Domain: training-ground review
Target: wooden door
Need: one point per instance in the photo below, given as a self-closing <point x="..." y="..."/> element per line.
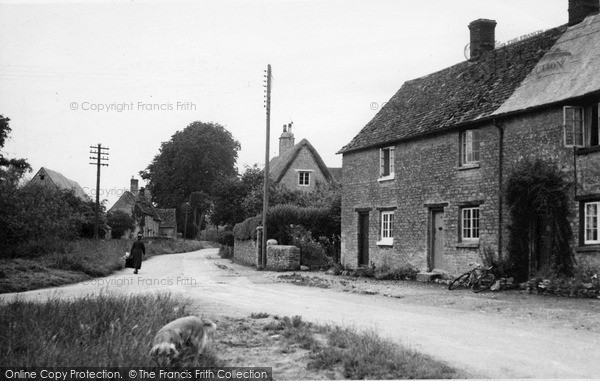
<point x="437" y="239"/>
<point x="363" y="239"/>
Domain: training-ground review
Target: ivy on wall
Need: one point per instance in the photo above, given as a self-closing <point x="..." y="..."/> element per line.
<point x="537" y="193"/>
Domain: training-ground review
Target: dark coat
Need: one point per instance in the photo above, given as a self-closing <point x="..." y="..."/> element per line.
<point x="137" y="251"/>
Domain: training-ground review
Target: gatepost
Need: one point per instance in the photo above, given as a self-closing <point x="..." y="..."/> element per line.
<point x="259" y="234"/>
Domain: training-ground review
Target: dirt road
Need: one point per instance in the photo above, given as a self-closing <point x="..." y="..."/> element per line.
<point x="483" y="343"/>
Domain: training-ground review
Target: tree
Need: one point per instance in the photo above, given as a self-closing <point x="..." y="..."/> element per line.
<point x="228" y="202"/>
<point x="11" y="170"/>
<point x="200" y="205"/>
<point x="120" y="222"/>
<point x="195" y="159"/>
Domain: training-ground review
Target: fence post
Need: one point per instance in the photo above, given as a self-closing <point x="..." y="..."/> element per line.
<point x="259" y="234"/>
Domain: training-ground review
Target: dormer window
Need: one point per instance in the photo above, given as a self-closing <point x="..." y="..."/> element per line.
<point x="581" y="126"/>
<point x="386" y="163"/>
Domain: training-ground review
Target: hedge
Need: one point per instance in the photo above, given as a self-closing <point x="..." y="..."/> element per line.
<point x="280" y="218"/>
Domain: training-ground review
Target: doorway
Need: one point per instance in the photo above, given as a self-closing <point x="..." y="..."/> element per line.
<point x="437" y="237"/>
<point x="363" y="239"/>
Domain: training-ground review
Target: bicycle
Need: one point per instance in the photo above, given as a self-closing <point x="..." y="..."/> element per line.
<point x="478" y="279"/>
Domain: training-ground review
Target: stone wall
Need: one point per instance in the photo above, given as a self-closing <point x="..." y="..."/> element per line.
<point x="283" y="258"/>
<point x="428" y="177"/>
<point x="279" y="257"/>
<point x="244" y="252"/>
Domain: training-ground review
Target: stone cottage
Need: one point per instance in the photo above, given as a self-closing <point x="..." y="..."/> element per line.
<point x="423" y="180"/>
<point x="299" y="166"/>
<point x="137" y="203"/>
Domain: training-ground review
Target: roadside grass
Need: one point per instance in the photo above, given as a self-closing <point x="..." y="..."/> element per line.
<point x="366" y="355"/>
<point x="103" y="331"/>
<point x="303" y="350"/>
<point x="117" y="331"/>
<point x="80" y="260"/>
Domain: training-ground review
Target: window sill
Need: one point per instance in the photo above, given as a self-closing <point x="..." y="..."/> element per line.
<point x="386" y="242"/>
<point x="468" y="245"/>
<point x="466" y="167"/>
<point x="384" y="179"/>
<point x="586" y="150"/>
<point x="588" y="248"/>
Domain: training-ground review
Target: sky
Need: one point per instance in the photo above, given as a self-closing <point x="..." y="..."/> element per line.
<point x="129" y="74"/>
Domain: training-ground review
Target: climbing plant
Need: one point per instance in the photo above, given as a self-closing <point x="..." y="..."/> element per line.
<point x="535" y="191"/>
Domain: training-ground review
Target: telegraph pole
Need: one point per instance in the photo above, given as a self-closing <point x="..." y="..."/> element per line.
<point x="263" y="259"/>
<point x="101" y="155"/>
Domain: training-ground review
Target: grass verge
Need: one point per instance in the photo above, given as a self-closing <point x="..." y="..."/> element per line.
<point x="303" y="350"/>
<point x="80" y="260"/>
<point x="117" y="331"/>
<point x="103" y="331"/>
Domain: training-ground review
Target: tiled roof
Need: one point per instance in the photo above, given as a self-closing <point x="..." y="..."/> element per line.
<point x="458" y="95"/>
<point x="279" y="165"/>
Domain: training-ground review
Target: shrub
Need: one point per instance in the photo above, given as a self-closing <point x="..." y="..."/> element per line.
<point x="536" y="194"/>
<point x="120" y="222"/>
<point x="312" y="254"/>
<point x="226" y="238"/>
<point x="404" y="272"/>
<point x="226" y="252"/>
<point x="246" y="230"/>
<point x="209" y="234"/>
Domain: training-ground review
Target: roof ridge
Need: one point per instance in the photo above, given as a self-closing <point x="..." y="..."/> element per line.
<point x="464" y="93"/>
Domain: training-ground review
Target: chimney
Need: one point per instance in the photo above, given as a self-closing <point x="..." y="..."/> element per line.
<point x="286" y="140"/>
<point x="580" y="9"/>
<point x="483" y="37"/>
<point x="134" y="187"/>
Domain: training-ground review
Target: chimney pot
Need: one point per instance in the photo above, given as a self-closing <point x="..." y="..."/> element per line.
<point x="580" y="9"/>
<point x="286" y="140"/>
<point x="134" y="187"/>
<point x="483" y="37"/>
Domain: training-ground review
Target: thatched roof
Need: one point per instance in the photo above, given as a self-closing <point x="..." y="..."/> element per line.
<point x="278" y="166"/>
<point x="46" y="175"/>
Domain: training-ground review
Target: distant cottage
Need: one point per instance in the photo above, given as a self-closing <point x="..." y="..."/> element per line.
<point x="150" y="221"/>
<point x="52" y="178"/>
<point x="423" y="181"/>
<point x="299" y="166"/>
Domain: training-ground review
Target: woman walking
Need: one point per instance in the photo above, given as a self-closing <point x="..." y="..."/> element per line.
<point x="137" y="251"/>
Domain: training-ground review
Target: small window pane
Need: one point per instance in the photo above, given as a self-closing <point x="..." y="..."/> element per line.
<point x="387" y="224"/>
<point x="592" y="223"/>
<point x="386" y="162"/>
<point x="470" y="223"/>
<point x="303" y="178"/>
<point x="574" y="126"/>
<point x="470" y="144"/>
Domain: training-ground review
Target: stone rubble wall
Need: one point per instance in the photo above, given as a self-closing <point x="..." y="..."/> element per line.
<point x="279" y="257"/>
<point x="283" y="258"/>
<point x="244" y="252"/>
